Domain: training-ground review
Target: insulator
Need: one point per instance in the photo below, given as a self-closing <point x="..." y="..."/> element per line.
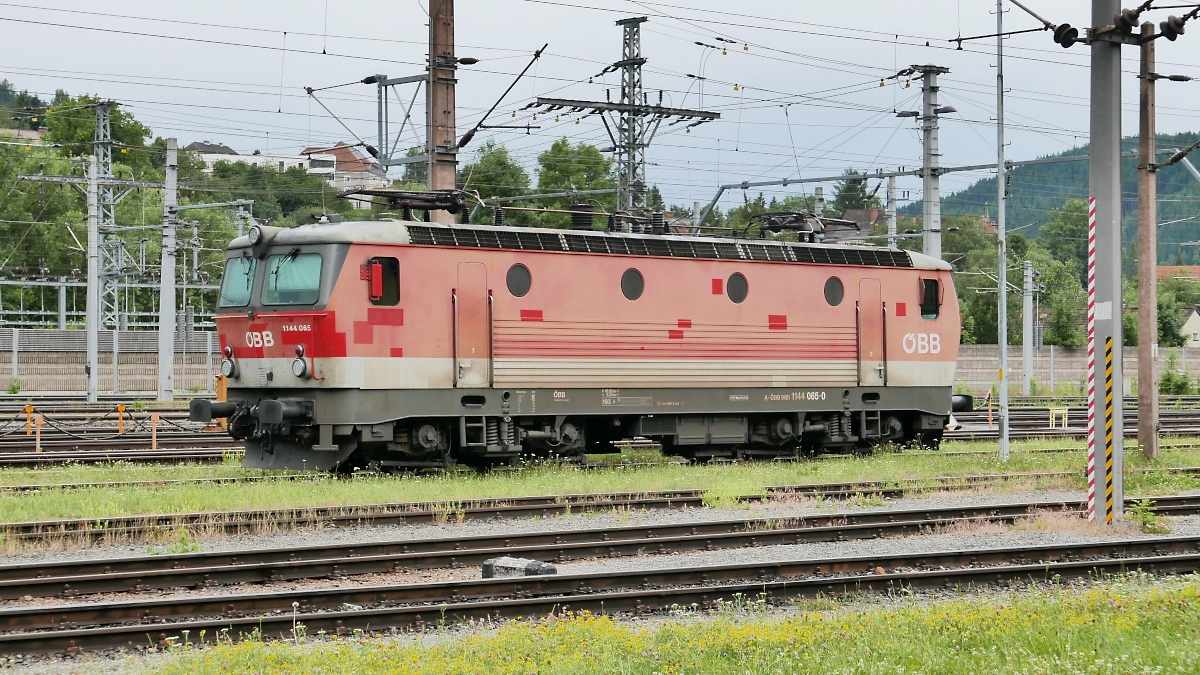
<point x="581" y="221"/>
<point x="1171" y="29"/>
<point x="497" y="216"/>
<point x="658" y="223"/>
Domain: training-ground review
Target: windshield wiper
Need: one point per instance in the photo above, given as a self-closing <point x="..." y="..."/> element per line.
<point x="291" y="255"/>
<point x="248" y="271"/>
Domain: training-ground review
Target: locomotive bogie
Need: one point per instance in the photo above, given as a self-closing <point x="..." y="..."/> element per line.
<point x="394" y="345"/>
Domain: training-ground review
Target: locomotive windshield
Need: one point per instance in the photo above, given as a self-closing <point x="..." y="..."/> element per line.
<point x="237" y="282"/>
<point x="293" y="278"/>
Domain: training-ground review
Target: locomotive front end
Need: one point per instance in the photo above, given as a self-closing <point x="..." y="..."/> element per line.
<point x="275" y="334"/>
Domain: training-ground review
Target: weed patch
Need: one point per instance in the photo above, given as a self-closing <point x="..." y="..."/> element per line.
<point x="1126" y="624"/>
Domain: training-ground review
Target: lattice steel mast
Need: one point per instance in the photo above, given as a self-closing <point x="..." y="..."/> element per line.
<point x="637" y="121"/>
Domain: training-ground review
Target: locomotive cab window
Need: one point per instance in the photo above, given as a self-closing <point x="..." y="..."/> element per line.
<point x="292" y="278"/>
<point x="383" y="280"/>
<point x="931" y="298"/>
<point x="236" y="284"/>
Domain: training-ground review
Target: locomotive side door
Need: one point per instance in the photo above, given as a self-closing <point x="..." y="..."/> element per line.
<point x="871" y="369"/>
<point x="472" y="327"/>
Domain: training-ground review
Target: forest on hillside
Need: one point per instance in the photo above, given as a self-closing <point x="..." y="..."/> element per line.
<point x="1035" y="191"/>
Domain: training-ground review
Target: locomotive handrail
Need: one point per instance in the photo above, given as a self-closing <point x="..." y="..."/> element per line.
<point x="491" y="340"/>
<point x="454" y="341"/>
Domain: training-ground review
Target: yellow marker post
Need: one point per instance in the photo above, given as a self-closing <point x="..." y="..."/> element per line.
<point x="1108" y="431"/>
<point x="28" y="420"/>
<point x="222" y="390"/>
<point x="120" y="418"/>
<point x="153" y="431"/>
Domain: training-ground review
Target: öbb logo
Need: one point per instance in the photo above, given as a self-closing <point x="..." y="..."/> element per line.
<point x="923" y="343"/>
<point x="257" y="339"/>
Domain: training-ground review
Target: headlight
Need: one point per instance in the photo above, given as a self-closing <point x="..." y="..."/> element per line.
<point x="256" y="235"/>
<point x="228" y="368"/>
<point x="300" y="367"/>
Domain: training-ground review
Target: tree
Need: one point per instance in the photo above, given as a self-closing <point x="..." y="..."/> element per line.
<point x="1065" y="235"/>
<point x="493" y="173"/>
<point x="13" y="102"/>
<point x="276" y="194"/>
<point x="1063" y="299"/>
<point x="71" y="122"/>
<point x="416" y="172"/>
<point x="574" y="167"/>
<point x="566" y="168"/>
<point x="654" y="200"/>
<point x="851" y="193"/>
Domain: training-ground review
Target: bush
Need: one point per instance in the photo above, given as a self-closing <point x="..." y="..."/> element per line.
<point x="1175" y="382"/>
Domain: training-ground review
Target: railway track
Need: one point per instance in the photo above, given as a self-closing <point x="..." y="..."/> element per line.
<point x="1035" y="423"/>
<point x="400" y="513"/>
<point x="199" y="570"/>
<point x="105" y="454"/>
<point x="71" y="435"/>
<point x="142" y="622"/>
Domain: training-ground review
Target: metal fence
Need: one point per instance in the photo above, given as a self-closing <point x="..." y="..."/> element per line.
<point x="54" y="361"/>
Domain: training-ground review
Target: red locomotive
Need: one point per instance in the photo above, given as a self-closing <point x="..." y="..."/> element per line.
<point x="403" y="344"/>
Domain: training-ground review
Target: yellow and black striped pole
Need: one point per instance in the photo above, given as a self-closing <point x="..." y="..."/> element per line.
<point x="1108" y="430"/>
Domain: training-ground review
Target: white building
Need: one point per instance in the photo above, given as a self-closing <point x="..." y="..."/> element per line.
<point x="316" y="163"/>
<point x="1191" y="329"/>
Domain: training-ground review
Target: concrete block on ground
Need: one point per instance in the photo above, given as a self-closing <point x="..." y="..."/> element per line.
<point x="515" y="567"/>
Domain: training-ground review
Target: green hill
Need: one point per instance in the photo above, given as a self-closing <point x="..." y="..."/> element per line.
<point x="1038" y="189"/>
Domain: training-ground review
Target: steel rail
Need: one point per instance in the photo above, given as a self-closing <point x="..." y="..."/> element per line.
<point x="181" y="454"/>
<point x="90" y="529"/>
<point x="75" y="578"/>
<point x="130" y="624"/>
<point x="422" y="512"/>
<point x="823" y="488"/>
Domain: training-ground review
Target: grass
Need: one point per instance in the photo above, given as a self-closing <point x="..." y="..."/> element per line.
<point x="723" y="482"/>
<point x="1123" y="625"/>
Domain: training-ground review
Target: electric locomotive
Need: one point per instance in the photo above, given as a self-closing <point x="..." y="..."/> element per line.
<point x="394" y="344"/>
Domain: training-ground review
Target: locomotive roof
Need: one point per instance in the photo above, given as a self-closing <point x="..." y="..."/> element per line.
<point x="621" y="243"/>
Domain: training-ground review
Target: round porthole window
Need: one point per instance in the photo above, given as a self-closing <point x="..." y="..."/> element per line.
<point x="737" y="287"/>
<point x="834" y="292"/>
<point x="632" y="284"/>
<point x="519" y="280"/>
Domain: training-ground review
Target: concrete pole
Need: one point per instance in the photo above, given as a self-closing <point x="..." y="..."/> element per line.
<point x="1104" y="171"/>
<point x="931" y="182"/>
<point x="1147" y="258"/>
<point x="166" y="291"/>
<point x="195" y="243"/>
<point x="1001" y="237"/>
<point x="1027" y="329"/>
<point x="62" y="303"/>
<point x="92" y="320"/>
<point x="441" y="135"/>
<point x="16" y="356"/>
<point x="891" y="212"/>
<point x="819" y="201"/>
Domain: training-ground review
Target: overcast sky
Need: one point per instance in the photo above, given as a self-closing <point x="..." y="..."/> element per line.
<point x="234" y="72"/>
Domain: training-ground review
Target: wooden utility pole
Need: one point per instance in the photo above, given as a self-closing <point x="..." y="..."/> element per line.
<point x="441" y="135"/>
<point x="1147" y="257"/>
